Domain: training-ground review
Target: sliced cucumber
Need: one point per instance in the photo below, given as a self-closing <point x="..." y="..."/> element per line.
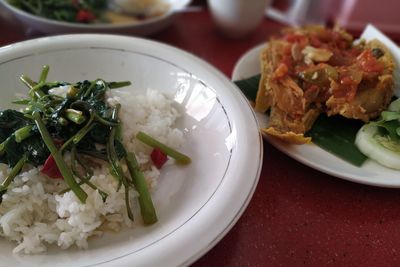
<point x="395" y="105"/>
<point x="378" y="147"/>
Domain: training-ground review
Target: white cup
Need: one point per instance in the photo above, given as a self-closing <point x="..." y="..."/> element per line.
<point x="236" y="18"/>
<point x="301" y="12"/>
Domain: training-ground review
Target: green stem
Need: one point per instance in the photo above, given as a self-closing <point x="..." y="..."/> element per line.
<point x="14" y="172"/>
<point x="128" y="204"/>
<point x="113" y="158"/>
<point x="114" y="85"/>
<point x="103" y="194"/>
<point x="23" y="133"/>
<point x="36" y="91"/>
<point x="47" y="98"/>
<point x="89" y="172"/>
<point x="78" y="137"/>
<point x="75" y="116"/>
<point x="118" y="132"/>
<point x="117" y="171"/>
<point x="118" y="128"/>
<point x="105" y="122"/>
<point x="62" y="166"/>
<point x="4" y="143"/>
<point x="21" y="101"/>
<point x="148" y="140"/>
<point x="63" y="121"/>
<point x="95" y="154"/>
<point x="146" y="204"/>
<point x="92" y="85"/>
<point x="27" y="81"/>
<point x="112" y="154"/>
<point x="43" y="75"/>
<point x="115" y="164"/>
<point x="80" y="134"/>
<point x="84" y="179"/>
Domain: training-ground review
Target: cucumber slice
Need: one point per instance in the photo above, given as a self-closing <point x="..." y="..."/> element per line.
<point x="378" y="147"/>
<point x="395" y="105"/>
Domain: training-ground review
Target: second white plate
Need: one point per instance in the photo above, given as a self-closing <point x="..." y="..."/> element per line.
<point x="369" y="173"/>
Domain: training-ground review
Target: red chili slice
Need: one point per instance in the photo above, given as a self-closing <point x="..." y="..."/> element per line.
<point x="84" y="16"/>
<point x="369" y="63"/>
<point x="158" y="157"/>
<point x="50" y="168"/>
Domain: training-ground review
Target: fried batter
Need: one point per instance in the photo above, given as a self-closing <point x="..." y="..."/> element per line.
<point x="312" y="70"/>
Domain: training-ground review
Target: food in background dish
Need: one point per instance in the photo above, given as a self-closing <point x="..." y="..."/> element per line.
<point x="94" y="11"/>
<point x="312" y="70"/>
<point x="81" y="158"/>
<point x="124" y="11"/>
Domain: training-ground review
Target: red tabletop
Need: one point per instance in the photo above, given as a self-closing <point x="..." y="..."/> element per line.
<point x="297" y="216"/>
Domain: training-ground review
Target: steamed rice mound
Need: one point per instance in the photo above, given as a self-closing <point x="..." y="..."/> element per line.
<point x="34" y="215"/>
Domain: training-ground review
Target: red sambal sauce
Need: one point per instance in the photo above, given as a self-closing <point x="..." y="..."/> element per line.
<point x="369" y="63"/>
<point x="348" y="59"/>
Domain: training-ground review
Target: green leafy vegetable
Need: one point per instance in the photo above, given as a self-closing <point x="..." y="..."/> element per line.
<point x="337" y="135"/>
<point x="60" y="117"/>
<point x="249" y="86"/>
<point x="31" y="135"/>
<point x="82" y="11"/>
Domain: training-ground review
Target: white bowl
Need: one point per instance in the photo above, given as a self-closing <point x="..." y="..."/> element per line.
<point x="196" y="204"/>
<point x="142" y="28"/>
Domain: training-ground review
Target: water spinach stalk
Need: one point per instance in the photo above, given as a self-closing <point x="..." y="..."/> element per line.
<point x="62" y="166"/>
<point x="10" y="177"/>
<point x="146" y="204"/>
<point x="115" y="164"/>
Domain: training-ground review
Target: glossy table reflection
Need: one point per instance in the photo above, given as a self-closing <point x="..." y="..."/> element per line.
<point x="298" y="216"/>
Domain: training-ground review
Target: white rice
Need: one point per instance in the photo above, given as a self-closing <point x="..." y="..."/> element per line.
<point x="34" y="215"/>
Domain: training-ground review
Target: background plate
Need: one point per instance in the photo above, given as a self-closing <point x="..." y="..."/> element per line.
<point x="139" y="28"/>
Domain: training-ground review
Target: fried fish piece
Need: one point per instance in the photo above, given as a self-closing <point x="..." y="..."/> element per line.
<point x="373" y="93"/>
<point x="312" y="70"/>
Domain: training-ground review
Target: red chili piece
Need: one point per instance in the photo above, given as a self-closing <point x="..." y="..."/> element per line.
<point x="158" y="157"/>
<point x="50" y="168"/>
<point x="84" y="16"/>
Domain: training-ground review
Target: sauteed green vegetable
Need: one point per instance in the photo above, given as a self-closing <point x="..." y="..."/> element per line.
<point x="81" y="11"/>
<point x="59" y="118"/>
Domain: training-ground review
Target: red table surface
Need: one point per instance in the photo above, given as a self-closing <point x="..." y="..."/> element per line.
<point x="297" y="216"/>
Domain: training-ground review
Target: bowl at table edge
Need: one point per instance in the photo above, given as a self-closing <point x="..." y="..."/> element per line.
<point x="141" y="28"/>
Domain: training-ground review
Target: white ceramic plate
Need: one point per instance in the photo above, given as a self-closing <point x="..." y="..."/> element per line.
<point x="142" y="28"/>
<point x="369" y="173"/>
<point x="197" y="204"/>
